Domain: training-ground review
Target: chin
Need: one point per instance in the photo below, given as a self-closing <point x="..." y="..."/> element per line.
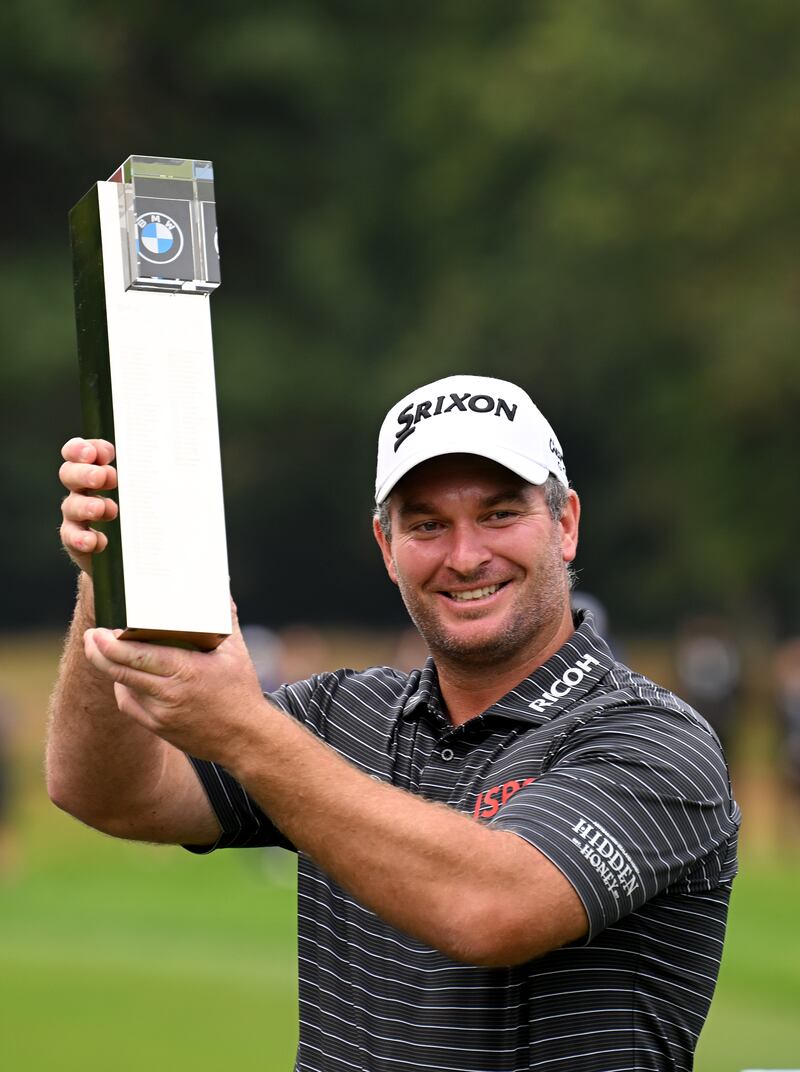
<point x="484" y="646"/>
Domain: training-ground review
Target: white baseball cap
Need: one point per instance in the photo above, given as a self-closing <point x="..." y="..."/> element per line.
<point x="467" y="415"/>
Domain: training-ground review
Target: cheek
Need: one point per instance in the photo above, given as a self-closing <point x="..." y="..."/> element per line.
<point x="415" y="564"/>
<point x="533" y="550"/>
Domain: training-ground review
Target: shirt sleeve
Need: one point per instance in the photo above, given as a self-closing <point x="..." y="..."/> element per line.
<point x="629" y="805"/>
<point x="242" y="822"/>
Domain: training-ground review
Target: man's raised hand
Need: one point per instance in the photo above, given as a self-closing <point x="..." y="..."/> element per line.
<point x="87" y="474"/>
<point x="208" y="704"/>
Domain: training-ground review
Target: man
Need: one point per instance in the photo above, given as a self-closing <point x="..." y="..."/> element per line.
<point x="519" y="857"/>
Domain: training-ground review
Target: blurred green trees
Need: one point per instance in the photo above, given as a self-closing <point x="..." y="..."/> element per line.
<point x="597" y="200"/>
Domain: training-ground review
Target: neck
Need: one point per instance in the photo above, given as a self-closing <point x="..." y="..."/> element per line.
<point x="468" y="689"/>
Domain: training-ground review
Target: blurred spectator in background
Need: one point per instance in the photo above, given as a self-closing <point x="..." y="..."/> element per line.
<point x="266" y="651"/>
<point x="787" y="687"/>
<point x="304" y="651"/>
<point x="7" y="844"/>
<point x="585" y="601"/>
<point x="708" y="666"/>
<point x="411" y="651"/>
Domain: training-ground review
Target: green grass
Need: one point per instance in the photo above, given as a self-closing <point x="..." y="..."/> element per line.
<point x="129" y="957"/>
<point x="755" y="1017"/>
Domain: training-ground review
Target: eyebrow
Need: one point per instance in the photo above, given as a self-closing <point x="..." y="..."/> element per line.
<point x="509" y="495"/>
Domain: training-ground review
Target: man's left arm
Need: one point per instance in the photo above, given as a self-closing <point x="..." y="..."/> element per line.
<point x="480" y="896"/>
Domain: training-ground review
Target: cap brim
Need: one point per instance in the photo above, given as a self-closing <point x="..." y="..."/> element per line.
<point x="529" y="470"/>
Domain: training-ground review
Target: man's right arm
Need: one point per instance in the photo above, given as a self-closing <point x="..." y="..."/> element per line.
<point x="102" y="767"/>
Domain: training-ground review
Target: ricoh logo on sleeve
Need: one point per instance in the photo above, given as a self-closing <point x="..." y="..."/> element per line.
<point x="607" y="857"/>
<point x="565" y="684"/>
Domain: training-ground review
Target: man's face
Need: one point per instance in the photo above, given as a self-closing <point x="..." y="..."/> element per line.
<point x="479" y="561"/>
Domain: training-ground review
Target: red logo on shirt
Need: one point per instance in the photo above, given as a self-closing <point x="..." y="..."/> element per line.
<point x="491" y="800"/>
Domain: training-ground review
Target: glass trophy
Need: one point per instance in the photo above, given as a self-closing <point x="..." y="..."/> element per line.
<point x="170" y="224"/>
<point x="145" y="261"/>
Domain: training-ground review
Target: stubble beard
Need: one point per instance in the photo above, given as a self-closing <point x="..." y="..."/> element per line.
<point x="539" y="607"/>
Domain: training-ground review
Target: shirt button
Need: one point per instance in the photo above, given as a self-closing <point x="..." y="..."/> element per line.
<point x="447" y="754"/>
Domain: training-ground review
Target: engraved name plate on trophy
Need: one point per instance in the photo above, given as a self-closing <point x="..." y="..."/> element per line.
<point x="145" y="260"/>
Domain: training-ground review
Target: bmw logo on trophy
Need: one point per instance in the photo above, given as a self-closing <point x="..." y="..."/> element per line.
<point x="145" y="260"/>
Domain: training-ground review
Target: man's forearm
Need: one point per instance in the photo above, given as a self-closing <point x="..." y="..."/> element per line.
<point x="98" y="762"/>
<point x="480" y="895"/>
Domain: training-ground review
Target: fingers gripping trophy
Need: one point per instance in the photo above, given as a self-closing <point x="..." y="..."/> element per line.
<point x="145" y="261"/>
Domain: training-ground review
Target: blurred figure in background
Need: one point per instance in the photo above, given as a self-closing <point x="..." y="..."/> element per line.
<point x="411" y="651"/>
<point x="8" y="855"/>
<point x="304" y="651"/>
<point x="708" y="666"/>
<point x="787" y="688"/>
<point x="266" y="651"/>
<point x="586" y="602"/>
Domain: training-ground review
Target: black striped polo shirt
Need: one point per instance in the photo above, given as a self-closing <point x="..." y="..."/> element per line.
<point x="616" y="780"/>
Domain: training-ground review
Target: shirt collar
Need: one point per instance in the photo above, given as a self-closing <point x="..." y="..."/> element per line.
<point x="567" y="676"/>
<point x="423" y="692"/>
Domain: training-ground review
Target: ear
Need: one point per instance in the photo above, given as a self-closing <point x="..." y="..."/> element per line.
<point x="386" y="549"/>
<point x="570" y="520"/>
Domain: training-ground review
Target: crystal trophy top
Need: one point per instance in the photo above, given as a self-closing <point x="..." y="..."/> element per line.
<point x="169" y="224"/>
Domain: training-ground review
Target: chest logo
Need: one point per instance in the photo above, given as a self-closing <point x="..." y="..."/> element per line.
<point x="490" y="801"/>
<point x="563" y="685"/>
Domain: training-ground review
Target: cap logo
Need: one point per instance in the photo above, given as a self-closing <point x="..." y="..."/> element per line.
<point x="558" y="455"/>
<point x="410" y="417"/>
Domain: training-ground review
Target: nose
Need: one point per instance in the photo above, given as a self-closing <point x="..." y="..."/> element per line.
<point x="467" y="551"/>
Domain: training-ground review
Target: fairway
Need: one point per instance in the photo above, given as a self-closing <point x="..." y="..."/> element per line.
<point x="119" y="956"/>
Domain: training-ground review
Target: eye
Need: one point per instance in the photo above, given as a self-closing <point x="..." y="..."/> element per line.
<point x="426" y="528"/>
<point x="502" y="515"/>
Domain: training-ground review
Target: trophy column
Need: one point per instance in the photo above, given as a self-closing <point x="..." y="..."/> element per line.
<point x="145" y="260"/>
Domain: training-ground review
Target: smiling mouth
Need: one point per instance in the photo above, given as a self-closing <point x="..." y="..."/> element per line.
<point x="475" y="593"/>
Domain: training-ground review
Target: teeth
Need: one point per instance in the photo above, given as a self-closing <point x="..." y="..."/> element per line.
<point x="476" y="593"/>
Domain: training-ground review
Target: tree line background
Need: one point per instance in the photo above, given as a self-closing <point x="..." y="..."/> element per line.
<point x="598" y="201"/>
